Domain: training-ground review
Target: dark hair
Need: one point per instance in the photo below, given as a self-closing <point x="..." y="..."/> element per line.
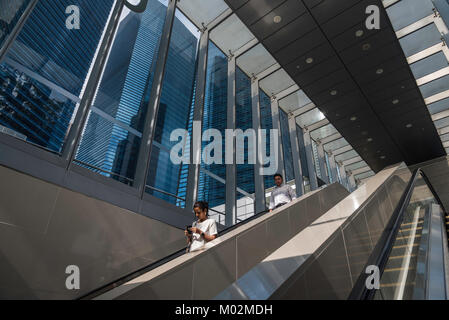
<point x="278" y="175"/>
<point x="203" y="205"/>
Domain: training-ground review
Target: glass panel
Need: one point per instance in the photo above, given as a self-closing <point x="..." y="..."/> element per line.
<point x="323" y="132"/>
<point x="406" y="12"/>
<point x="439" y="106"/>
<point x="435" y="87"/>
<point x="276" y="82"/>
<point x="266" y="123"/>
<point x="308" y="118"/>
<point x="328" y="168"/>
<point x="302" y="153"/>
<point x="255" y="60"/>
<point x="231" y="34"/>
<point x="286" y="147"/>
<point x="445" y="137"/>
<point x="46" y="69"/>
<point x="443" y="8"/>
<point x="175" y="109"/>
<point x="346" y="156"/>
<point x="213" y="190"/>
<point x="124" y="92"/>
<point x="200" y="11"/>
<point x="364" y="175"/>
<point x="442" y="123"/>
<point x="244" y="121"/>
<point x="294" y="101"/>
<point x="429" y="65"/>
<point x="420" y="40"/>
<point x="340" y="143"/>
<point x="356" y="165"/>
<point x="10" y="14"/>
<point x="316" y="159"/>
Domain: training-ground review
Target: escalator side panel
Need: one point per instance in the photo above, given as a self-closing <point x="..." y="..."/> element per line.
<point x="207" y="273"/>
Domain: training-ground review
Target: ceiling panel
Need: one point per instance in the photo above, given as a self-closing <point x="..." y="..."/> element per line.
<point x="358" y="78"/>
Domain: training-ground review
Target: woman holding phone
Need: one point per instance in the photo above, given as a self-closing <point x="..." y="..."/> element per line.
<point x="203" y="230"/>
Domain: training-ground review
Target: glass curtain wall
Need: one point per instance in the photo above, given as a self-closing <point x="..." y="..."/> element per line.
<point x="44" y="73"/>
<point x="111" y="139"/>
<point x="244" y="121"/>
<point x="174" y="110"/>
<point x="212" y="181"/>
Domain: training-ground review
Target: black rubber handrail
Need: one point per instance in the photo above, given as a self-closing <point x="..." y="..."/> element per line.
<point x="382" y="251"/>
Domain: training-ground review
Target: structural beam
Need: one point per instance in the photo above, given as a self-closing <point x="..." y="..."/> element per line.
<point x="231" y="168"/>
<point x="198" y="115"/>
<point x="277" y="126"/>
<point x="299" y="180"/>
<point x="310" y="160"/>
<point x="322" y="162"/>
<point x="259" y="185"/>
<point x="333" y="167"/>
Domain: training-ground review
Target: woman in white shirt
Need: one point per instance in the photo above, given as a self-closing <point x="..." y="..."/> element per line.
<point x="203" y="230"/>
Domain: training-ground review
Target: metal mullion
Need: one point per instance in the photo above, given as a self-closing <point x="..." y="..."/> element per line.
<point x="299" y="180"/>
<point x="198" y="115"/>
<point x="143" y="161"/>
<point x="231" y="168"/>
<point x="76" y="129"/>
<point x="310" y="160"/>
<point x="322" y="162"/>
<point x="17" y="28"/>
<point x="277" y="126"/>
<point x="259" y="184"/>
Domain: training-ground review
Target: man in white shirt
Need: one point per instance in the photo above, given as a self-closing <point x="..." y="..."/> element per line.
<point x="281" y="194"/>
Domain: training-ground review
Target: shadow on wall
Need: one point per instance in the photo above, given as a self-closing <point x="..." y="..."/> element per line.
<point x="45" y="228"/>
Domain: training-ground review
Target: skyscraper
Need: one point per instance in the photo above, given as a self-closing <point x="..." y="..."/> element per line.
<point x="42" y="76"/>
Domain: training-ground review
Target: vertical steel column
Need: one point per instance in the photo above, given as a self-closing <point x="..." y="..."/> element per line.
<point x="16" y="30"/>
<point x="198" y="114"/>
<point x="310" y="159"/>
<point x="299" y="180"/>
<point x="143" y="161"/>
<point x="333" y="167"/>
<point x="259" y="184"/>
<point x="352" y="183"/>
<point x="76" y="129"/>
<point x="343" y="176"/>
<point x="277" y="126"/>
<point x="231" y="168"/>
<point x="322" y="161"/>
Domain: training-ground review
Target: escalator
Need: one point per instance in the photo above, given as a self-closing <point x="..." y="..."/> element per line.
<point x="412" y="255"/>
<point x="233" y="253"/>
<point x="318" y="247"/>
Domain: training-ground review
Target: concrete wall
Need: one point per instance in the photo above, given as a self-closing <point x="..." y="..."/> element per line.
<point x="44" y="228"/>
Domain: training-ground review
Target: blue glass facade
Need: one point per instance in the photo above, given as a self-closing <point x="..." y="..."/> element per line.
<point x="44" y="72"/>
<point x="11" y="12"/>
<point x="112" y="136"/>
<point x="175" y="108"/>
<point x="244" y="121"/>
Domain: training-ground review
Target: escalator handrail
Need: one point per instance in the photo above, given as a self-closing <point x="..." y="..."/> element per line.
<point x="388" y="237"/>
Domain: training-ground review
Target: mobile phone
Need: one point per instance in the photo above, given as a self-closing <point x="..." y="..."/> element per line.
<point x="188" y="229"/>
